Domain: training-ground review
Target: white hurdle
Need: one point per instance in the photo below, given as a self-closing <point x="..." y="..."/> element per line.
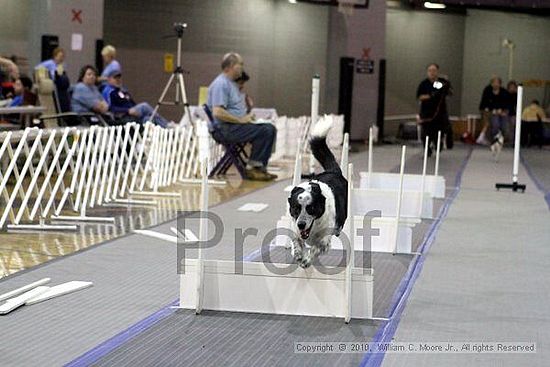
<point x="214" y="285"/>
<point x="395" y="229"/>
<point x="432" y="184"/>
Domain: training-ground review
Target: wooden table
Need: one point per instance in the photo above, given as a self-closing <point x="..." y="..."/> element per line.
<point x="26" y="112"/>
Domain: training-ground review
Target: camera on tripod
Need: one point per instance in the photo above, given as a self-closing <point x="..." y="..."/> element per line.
<point x="180" y="28"/>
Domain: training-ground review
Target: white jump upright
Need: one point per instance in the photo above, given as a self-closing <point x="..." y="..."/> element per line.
<point x="395" y="229"/>
<point x="315" y="93"/>
<point x="432" y="184"/>
<point x="515" y="185"/>
<point x="399" y="198"/>
<point x="214" y="285"/>
<point x="438" y="150"/>
<point x="345" y="155"/>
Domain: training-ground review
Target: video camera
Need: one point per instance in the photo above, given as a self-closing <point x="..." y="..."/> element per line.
<point x="180" y="28"/>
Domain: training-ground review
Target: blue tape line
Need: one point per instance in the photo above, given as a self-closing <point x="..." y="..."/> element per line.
<point x="536" y="180"/>
<point x="387" y="329"/>
<point x="116" y="341"/>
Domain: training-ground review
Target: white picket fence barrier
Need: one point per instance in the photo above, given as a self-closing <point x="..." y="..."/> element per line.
<point x="101" y="165"/>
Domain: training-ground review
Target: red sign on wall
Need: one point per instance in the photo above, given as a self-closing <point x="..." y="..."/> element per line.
<point x="77" y="15"/>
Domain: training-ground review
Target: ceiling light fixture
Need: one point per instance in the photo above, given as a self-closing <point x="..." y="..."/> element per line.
<point x="430" y="5"/>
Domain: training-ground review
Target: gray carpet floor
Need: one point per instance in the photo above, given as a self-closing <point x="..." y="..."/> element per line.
<point x="135" y="276"/>
<point x="538" y="163"/>
<point x="485" y="278"/>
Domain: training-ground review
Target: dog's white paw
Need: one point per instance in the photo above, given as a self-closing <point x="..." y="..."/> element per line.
<point x="297" y="249"/>
<point x="306" y="261"/>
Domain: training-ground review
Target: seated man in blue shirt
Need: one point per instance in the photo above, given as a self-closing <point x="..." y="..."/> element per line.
<point x="228" y="106"/>
<point x="121" y="103"/>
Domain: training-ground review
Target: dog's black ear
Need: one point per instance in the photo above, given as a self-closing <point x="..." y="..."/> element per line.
<point x="317" y="206"/>
<point x="296" y="190"/>
<point x="294" y="207"/>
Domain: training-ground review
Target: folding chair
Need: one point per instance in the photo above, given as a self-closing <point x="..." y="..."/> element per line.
<point x="234" y="152"/>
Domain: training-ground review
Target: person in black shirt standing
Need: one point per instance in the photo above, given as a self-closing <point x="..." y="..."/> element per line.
<point x="432" y="94"/>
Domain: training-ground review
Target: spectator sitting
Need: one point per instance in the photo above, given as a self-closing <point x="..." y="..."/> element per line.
<point x="8" y="73"/>
<point x="121" y="103"/>
<point x="55" y="64"/>
<point x="531" y="121"/>
<point x="8" y="70"/>
<point x="86" y="96"/>
<point x="56" y="70"/>
<point x="111" y="65"/>
<point x="23" y="95"/>
<point x="248" y="100"/>
<point x="232" y="121"/>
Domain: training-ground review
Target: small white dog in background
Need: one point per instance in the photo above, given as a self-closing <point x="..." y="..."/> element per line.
<point x="496" y="146"/>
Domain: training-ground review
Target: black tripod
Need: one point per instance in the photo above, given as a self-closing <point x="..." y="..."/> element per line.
<point x="177" y="78"/>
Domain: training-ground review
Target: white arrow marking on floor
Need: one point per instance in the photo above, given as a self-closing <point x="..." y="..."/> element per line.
<point x="187" y="237"/>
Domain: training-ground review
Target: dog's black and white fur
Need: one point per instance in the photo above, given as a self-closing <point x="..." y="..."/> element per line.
<point x="318" y="207"/>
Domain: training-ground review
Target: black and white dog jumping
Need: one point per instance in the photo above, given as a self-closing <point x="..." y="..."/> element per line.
<point x="318" y="207"/>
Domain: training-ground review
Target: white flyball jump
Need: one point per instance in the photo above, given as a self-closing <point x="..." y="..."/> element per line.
<point x="415" y="203"/>
<point x="432" y="184"/>
<point x="400" y="211"/>
<point x="394" y="229"/>
<point x="215" y="285"/>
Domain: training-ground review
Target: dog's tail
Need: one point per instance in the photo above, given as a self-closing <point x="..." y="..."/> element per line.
<point x="319" y="147"/>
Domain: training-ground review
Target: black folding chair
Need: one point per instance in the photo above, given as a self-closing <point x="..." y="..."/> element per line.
<point x="234" y="152"/>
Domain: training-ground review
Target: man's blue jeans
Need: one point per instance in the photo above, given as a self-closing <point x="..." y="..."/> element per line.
<point x="499" y="123"/>
<point x="262" y="137"/>
<point x="145" y="111"/>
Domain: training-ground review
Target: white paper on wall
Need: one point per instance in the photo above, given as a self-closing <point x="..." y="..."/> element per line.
<point x="76" y="42"/>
